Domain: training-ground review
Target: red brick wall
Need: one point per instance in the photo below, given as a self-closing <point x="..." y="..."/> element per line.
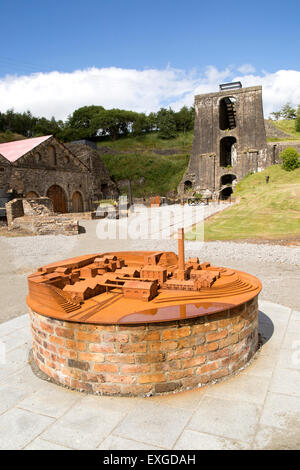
<point x="145" y="359"/>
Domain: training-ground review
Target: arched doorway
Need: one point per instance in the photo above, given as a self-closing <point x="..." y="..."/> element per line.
<point x="31" y="195"/>
<point x="77" y="202"/>
<point x="187" y="185"/>
<point x="226" y="193"/>
<point x="227" y="179"/>
<point x="227" y="151"/>
<point x="57" y="194"/>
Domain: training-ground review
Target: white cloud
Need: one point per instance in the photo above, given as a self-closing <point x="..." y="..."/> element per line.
<point x="246" y="68"/>
<point x="59" y="94"/>
<point x="278" y="88"/>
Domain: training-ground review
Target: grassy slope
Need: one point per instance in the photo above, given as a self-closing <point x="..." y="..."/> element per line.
<point x="265" y="211"/>
<point x="150" y="142"/>
<point x="287" y="126"/>
<point x="10" y="136"/>
<point x="158" y="174"/>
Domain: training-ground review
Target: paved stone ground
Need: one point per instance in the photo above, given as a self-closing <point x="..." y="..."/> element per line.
<point x="257" y="409"/>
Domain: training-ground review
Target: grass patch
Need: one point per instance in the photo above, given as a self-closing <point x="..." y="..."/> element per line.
<point x="265" y="211"/>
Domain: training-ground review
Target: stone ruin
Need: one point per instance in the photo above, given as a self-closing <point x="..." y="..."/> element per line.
<point x="36" y="216"/>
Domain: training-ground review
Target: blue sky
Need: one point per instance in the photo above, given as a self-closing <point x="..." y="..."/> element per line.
<point x="256" y="39"/>
<point x="66" y="35"/>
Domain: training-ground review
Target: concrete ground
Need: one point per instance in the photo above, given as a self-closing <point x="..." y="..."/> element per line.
<point x="257" y="409"/>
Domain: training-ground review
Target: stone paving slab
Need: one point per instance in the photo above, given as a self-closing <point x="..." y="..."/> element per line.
<point x="154" y="424"/>
<point x="257" y="409"/>
<point x="116" y="443"/>
<point x="41" y="444"/>
<point x="191" y="440"/>
<point x="84" y="426"/>
<point x="19" y="427"/>
<point x="50" y="401"/>
<point x="217" y="416"/>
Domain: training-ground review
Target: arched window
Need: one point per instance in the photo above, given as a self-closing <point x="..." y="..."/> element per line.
<point x="227" y="113"/>
<point x="52" y="155"/>
<point x="37" y="157"/>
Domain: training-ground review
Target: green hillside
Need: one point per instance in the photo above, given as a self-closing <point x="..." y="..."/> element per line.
<point x="154" y="165"/>
<point x="265" y="211"/>
<point x="288" y="126"/>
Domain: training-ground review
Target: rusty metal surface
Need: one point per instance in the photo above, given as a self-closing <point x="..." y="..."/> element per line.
<point x="136" y="287"/>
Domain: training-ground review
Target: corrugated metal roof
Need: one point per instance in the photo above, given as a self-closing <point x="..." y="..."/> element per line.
<point x="12" y="151"/>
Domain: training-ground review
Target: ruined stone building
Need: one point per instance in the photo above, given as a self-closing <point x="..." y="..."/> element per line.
<point x="229" y="140"/>
<point x="72" y="175"/>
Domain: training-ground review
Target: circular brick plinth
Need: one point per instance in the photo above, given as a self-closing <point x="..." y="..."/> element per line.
<point x="147" y="359"/>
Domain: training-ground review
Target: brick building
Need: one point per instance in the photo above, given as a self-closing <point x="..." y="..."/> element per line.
<point x="72" y="175"/>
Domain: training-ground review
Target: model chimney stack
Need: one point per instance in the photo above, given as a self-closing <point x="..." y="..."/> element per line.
<point x="181" y="264"/>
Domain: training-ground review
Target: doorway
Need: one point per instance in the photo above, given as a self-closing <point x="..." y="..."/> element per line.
<point x="57" y="194"/>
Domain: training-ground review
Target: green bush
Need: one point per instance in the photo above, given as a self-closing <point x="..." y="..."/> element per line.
<point x="290" y="159"/>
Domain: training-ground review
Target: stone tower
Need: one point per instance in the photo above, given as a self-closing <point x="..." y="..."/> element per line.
<point x="229" y="140"/>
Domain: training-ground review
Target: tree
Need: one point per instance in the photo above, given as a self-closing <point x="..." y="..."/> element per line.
<point x="45" y="127"/>
<point x="113" y="123"/>
<point x="166" y="123"/>
<point x="82" y="117"/>
<point x="290" y="159"/>
<point x="152" y="120"/>
<point x="276" y="115"/>
<point x="141" y="125"/>
<point x="287" y="112"/>
<point x="185" y="119"/>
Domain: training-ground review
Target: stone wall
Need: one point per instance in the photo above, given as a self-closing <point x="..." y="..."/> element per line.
<point x="37" y="206"/>
<point x="48" y="225"/>
<point x="275" y="148"/>
<point x="145" y="359"/>
<point x="14" y="209"/>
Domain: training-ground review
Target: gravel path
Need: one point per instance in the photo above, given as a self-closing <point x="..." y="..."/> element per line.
<point x="277" y="266"/>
